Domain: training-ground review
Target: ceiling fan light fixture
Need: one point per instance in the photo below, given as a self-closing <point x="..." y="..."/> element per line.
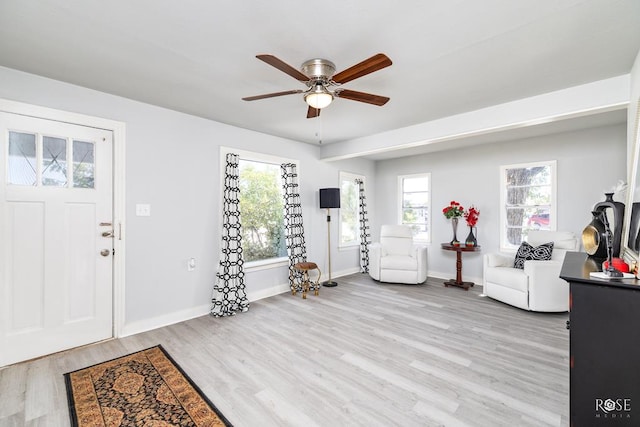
<point x="319" y="75"/>
<point x="318" y="98"/>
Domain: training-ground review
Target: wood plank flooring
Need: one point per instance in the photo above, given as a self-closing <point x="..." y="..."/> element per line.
<point x="360" y="354"/>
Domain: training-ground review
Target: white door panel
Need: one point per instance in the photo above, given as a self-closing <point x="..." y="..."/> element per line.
<point x="56" y="288"/>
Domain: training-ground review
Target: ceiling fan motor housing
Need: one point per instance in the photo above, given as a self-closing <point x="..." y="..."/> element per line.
<point x="319" y="69"/>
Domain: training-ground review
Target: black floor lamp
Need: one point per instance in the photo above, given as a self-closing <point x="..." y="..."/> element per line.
<point x="329" y="198"/>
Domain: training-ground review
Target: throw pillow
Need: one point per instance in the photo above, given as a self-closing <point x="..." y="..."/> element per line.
<point x="527" y="252"/>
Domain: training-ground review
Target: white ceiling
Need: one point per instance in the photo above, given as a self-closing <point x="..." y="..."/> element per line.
<point x="198" y="56"/>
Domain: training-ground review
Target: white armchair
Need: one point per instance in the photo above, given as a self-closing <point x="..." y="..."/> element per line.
<point x="396" y="259"/>
<point x="538" y="286"/>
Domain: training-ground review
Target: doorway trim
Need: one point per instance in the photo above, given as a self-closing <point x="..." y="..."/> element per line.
<point x="119" y="133"/>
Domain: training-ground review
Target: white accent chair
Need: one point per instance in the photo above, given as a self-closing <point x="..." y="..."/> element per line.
<point x="396" y="259"/>
<point x="538" y="286"/>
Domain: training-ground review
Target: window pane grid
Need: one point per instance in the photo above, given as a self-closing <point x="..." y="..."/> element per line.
<point x="349" y="209"/>
<point x="415" y="204"/>
<point x="543" y="185"/>
<point x="40" y="160"/>
<point x="528" y="201"/>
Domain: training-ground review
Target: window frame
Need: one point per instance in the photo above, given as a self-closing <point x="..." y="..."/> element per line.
<point x="552" y="164"/>
<point x="349" y="177"/>
<point x="255" y="157"/>
<point x="429" y="207"/>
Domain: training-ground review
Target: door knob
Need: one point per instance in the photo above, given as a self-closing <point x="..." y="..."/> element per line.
<point x="107" y="234"/>
<point x="105" y="252"/>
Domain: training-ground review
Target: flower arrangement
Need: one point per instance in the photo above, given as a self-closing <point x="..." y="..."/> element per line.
<point x="454" y="210"/>
<point x="472" y="216"/>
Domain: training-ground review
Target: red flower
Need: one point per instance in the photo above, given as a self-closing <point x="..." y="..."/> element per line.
<point x="472" y="216"/>
<point x="454" y="210"/>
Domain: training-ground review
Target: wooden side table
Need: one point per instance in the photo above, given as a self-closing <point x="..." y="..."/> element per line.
<point x="306" y="284"/>
<point x="459" y="249"/>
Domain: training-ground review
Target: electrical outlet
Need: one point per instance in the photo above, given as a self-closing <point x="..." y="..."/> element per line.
<point x="143" y="210"/>
<point x="191" y="264"/>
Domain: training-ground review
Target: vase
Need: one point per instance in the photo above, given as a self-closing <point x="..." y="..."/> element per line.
<point x="454" y="225"/>
<point x="471" y="239"/>
<point x="616" y="210"/>
<point x="592" y="240"/>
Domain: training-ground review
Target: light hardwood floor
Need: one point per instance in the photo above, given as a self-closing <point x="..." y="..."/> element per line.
<point x="360" y="354"/>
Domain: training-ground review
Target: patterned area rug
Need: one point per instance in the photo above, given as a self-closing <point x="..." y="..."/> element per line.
<point x="146" y="388"/>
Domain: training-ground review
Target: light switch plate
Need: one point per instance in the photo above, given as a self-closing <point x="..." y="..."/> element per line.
<point x="143" y="210"/>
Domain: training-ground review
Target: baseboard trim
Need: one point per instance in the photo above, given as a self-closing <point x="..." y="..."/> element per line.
<point x="191" y="313"/>
<point x="164" y="320"/>
<point x="202" y="310"/>
<point x="269" y="292"/>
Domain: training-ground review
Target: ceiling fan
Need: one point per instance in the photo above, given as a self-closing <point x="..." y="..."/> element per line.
<point x="323" y="85"/>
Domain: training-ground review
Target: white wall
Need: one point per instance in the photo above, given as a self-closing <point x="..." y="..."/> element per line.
<point x="172" y="163"/>
<point x="589" y="162"/>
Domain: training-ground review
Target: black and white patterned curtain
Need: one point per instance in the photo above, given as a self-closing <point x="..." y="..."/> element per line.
<point x="294" y="231"/>
<point x="229" y="294"/>
<point x="365" y="235"/>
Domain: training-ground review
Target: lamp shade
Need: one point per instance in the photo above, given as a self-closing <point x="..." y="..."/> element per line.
<point x="329" y="197"/>
<point x="319" y="97"/>
<point x="318" y="100"/>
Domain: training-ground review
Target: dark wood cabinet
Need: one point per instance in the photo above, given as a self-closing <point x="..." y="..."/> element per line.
<point x="604" y="346"/>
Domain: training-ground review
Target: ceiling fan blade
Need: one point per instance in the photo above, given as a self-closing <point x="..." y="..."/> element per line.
<point x="368" y="66"/>
<point x="283" y="66"/>
<point x="362" y="97"/>
<point x="271" y="95"/>
<point x="313" y="112"/>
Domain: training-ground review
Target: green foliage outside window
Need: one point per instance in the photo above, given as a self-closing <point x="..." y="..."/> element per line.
<point x="349" y="214"/>
<point x="261" y="211"/>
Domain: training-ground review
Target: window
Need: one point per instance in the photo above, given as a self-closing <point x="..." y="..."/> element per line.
<point x="261" y="207"/>
<point x="415" y="204"/>
<point x="528" y="200"/>
<point x="40" y="160"/>
<point x="349" y="209"/>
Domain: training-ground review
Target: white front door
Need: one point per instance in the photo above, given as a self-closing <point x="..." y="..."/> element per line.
<point x="56" y="249"/>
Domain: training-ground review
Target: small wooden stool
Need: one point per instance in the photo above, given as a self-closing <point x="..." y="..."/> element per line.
<point x="306" y="284"/>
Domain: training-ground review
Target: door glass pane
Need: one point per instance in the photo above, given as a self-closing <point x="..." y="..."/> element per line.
<point x="22" y="158"/>
<point x="54" y="161"/>
<point x="83" y="164"/>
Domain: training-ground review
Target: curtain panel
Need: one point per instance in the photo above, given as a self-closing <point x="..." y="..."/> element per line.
<point x="294" y="230"/>
<point x="229" y="295"/>
<point x="365" y="235"/>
